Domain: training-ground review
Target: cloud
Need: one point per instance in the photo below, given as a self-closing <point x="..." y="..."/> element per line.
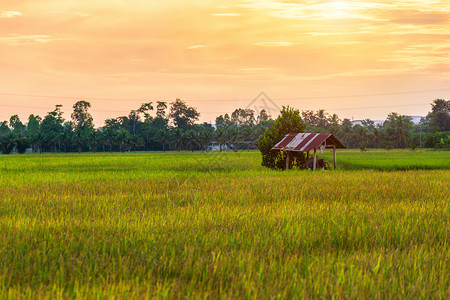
<point x="26" y="39"/>
<point x="226" y="15"/>
<point x="255" y="69"/>
<point x="274" y="44"/>
<point x="196" y="47"/>
<point x="81" y="14"/>
<point x="10" y="14"/>
<point x="421" y="18"/>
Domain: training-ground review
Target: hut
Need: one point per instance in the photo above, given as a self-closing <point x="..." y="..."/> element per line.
<point x="306" y="142"/>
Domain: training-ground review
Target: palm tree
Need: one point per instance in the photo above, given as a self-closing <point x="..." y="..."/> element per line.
<point x="78" y="139"/>
<point x="163" y="137"/>
<point x="7" y="143"/>
<point x="376" y="132"/>
<point x="205" y="136"/>
<point x="190" y="137"/>
<point x="177" y="138"/>
<point x="361" y="132"/>
<point x="220" y="136"/>
<point x="234" y="136"/>
<point x="399" y="127"/>
<point x="135" y="141"/>
<point x="110" y="136"/>
<point x="122" y="139"/>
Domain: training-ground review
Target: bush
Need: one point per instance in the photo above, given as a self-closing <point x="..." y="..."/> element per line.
<point x="437" y="139"/>
<point x="388" y="145"/>
<point x="288" y="121"/>
<point x="362" y="146"/>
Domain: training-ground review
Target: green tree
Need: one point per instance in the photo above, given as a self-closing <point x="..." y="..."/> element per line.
<point x="22" y="144"/>
<point x="145" y="110"/>
<point x="33" y="129"/>
<point x="288" y="121"/>
<point x="52" y="128"/>
<point x="183" y="116"/>
<point x="243" y="117"/>
<point x="81" y="117"/>
<point x="82" y="122"/>
<point x="135" y="141"/>
<point x="177" y="138"/>
<point x="7" y="142"/>
<point x="398" y="128"/>
<point x="220" y="135"/>
<point x="163" y="136"/>
<point x="122" y="139"/>
<point x="161" y="107"/>
<point x="4" y="128"/>
<point x="440" y="115"/>
<point x="263" y="116"/>
<point x="191" y="139"/>
<point x="17" y="126"/>
<point x="234" y="136"/>
<point x="206" y="135"/>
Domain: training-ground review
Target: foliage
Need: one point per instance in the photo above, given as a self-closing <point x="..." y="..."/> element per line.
<point x="183" y="116"/>
<point x="439" y="117"/>
<point x="153" y="129"/>
<point x="289" y="121"/>
<point x="22" y="144"/>
<point x="7" y="142"/>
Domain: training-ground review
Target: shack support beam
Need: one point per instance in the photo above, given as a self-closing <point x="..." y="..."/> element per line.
<point x="288" y="160"/>
<point x="315" y="159"/>
<point x="334" y="157"/>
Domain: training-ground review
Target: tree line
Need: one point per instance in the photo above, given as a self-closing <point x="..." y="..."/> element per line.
<point x="162" y="126"/>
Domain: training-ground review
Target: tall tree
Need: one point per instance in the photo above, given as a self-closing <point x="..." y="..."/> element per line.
<point x="440" y="115"/>
<point x="183" y="116"/>
<point x="52" y="127"/>
<point x="161" y="107"/>
<point x="243" y="117"/>
<point x="398" y="128"/>
<point x="145" y="110"/>
<point x="83" y="123"/>
<point x="17" y="126"/>
<point x="263" y="116"/>
<point x="81" y="117"/>
<point x="33" y="129"/>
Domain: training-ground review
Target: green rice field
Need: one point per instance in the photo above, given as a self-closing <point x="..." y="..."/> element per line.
<point x="220" y="226"/>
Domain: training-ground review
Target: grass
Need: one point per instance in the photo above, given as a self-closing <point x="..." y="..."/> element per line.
<point x="393" y="160"/>
<point x="221" y="226"/>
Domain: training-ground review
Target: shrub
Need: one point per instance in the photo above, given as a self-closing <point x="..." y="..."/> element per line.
<point x="288" y="121"/>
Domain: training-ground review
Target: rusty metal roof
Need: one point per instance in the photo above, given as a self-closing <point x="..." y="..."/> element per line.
<point x="305" y="142"/>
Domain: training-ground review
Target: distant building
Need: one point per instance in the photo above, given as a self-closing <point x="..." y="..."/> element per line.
<point x="216" y="147"/>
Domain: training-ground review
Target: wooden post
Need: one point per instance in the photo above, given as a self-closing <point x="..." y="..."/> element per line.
<point x="315" y="159"/>
<point x="288" y="160"/>
<point x="334" y="157"/>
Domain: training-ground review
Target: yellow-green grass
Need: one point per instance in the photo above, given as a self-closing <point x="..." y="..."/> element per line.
<point x="215" y="225"/>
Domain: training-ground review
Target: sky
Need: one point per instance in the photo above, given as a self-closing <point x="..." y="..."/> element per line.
<point x="358" y="59"/>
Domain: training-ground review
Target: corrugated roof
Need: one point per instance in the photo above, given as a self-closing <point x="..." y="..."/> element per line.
<point x="305" y="142"/>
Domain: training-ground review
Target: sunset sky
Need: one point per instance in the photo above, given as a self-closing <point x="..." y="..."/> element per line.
<point x="360" y="59"/>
